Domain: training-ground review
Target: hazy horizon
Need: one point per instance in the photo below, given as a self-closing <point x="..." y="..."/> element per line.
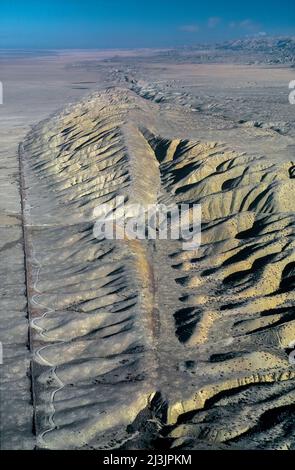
<point x="96" y="25"/>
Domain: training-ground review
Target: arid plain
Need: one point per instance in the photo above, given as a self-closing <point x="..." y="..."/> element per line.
<point x="131" y="344"/>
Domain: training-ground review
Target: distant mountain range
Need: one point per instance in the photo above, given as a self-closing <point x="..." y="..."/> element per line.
<point x="263" y="44"/>
<point x="250" y="50"/>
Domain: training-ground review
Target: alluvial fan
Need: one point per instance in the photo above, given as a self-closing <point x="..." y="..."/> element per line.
<point x="139" y="343"/>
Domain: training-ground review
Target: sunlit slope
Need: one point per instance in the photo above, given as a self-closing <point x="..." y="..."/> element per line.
<point x="138" y="341"/>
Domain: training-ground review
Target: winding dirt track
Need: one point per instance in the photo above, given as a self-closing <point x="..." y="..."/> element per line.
<point x="139" y="343"/>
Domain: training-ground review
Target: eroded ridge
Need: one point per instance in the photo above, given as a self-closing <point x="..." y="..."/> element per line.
<point x="237" y="293"/>
<point x="138" y="341"/>
<point x="89" y="302"/>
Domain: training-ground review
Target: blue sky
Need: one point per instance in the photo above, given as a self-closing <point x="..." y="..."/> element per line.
<point x="135" y="23"/>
